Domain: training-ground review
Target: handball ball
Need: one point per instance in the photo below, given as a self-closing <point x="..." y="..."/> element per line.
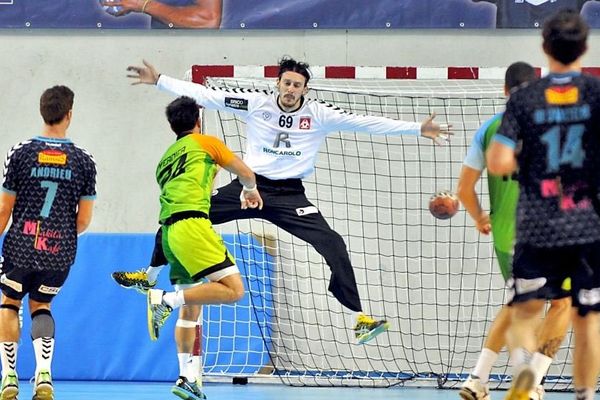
<point x="443" y="205"/>
<point x="112" y="10"/>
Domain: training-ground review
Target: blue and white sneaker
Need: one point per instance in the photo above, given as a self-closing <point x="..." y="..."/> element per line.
<point x="367" y="328"/>
<point x="187" y="390"/>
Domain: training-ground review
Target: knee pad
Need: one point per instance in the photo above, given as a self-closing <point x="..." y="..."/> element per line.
<point x="42" y="324"/>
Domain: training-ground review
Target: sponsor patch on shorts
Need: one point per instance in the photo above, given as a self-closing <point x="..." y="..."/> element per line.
<point x="529" y="285"/>
<point x="307" y="210"/>
<point x="48" y="289"/>
<point x="589" y="297"/>
<point x="14" y="285"/>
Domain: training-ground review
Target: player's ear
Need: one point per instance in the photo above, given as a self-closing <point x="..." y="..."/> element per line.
<point x="305" y="90"/>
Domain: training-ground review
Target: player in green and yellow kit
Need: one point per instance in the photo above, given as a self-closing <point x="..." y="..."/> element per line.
<point x="194" y="250"/>
<point x="501" y="222"/>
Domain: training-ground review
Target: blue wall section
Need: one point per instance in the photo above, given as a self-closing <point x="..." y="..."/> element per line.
<point x="101" y="329"/>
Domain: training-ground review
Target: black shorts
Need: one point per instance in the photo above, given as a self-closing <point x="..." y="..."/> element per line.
<point x="41" y="286"/>
<point x="158" y="255"/>
<point x="541" y="273"/>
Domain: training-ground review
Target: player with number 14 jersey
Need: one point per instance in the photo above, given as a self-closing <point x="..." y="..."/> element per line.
<point x="555" y="120"/>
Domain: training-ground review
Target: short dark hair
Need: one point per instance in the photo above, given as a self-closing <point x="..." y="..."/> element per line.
<point x="182" y="114"/>
<point x="55" y="104"/>
<point x="518" y="73"/>
<point x="565" y="36"/>
<point x="289" y="64"/>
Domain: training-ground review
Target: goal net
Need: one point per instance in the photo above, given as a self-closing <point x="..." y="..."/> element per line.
<point x="435" y="281"/>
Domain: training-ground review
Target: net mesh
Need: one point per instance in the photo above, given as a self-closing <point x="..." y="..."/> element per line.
<point x="435" y="281"/>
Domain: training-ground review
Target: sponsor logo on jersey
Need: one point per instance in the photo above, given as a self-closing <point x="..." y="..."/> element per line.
<point x="276" y="152"/>
<point x="44" y="239"/>
<point x="266" y="115"/>
<point x="50" y="156"/>
<point x="304" y="123"/>
<point x="14" y="285"/>
<point x="561" y="95"/>
<point x="238" y="104"/>
<point x="307" y="210"/>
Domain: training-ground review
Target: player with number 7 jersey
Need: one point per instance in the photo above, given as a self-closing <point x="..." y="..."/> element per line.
<point x="48" y="188"/>
<point x="50" y="176"/>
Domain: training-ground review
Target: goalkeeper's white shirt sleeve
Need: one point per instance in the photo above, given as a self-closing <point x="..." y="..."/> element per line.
<point x="336" y="119"/>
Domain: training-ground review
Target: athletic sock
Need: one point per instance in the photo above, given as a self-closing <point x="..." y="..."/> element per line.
<point x="185" y="366"/>
<point x="153" y="272"/>
<point x="519" y="356"/>
<point x="484" y="365"/>
<point x="174" y="299"/>
<point x="540" y="364"/>
<point x="8" y="355"/>
<point x="196" y="369"/>
<point x="44" y="351"/>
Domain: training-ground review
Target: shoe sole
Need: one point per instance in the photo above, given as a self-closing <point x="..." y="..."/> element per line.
<point x="151" y="330"/>
<point x="374" y="333"/>
<point x="10" y="393"/>
<point x="468" y="394"/>
<point x="44" y="391"/>
<point x="184" y="394"/>
<point x="522" y="385"/>
<point x="134" y="286"/>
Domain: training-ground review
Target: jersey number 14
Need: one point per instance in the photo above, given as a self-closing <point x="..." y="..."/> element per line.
<point x="571" y="153"/>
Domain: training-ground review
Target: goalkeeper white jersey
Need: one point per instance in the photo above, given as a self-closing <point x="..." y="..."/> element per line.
<point x="279" y="144"/>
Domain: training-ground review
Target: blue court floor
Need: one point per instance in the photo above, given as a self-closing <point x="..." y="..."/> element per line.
<point x="223" y="391"/>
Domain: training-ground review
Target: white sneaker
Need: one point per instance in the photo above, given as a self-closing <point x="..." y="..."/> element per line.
<point x="473" y="389"/>
<point x="537" y="393"/>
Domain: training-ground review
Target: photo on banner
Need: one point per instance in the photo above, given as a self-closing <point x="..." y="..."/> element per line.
<point x="277" y="14"/>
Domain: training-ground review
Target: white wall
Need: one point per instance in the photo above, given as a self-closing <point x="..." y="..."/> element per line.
<point x="124" y="126"/>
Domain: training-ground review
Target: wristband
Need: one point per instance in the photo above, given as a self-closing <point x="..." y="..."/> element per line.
<point x="247" y="189"/>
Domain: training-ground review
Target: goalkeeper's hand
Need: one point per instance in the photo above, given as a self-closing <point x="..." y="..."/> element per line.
<point x="146" y="74"/>
<point x="439" y="133"/>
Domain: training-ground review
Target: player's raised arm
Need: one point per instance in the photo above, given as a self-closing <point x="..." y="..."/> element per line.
<point x="146" y="74"/>
<point x="335" y="118"/>
<point x="434" y="131"/>
<point x="238" y="102"/>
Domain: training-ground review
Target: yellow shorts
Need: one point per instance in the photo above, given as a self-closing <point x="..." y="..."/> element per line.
<point x="194" y="250"/>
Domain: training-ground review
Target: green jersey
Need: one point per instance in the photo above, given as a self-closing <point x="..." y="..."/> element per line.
<point x="503" y="192"/>
<point x="186" y="172"/>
